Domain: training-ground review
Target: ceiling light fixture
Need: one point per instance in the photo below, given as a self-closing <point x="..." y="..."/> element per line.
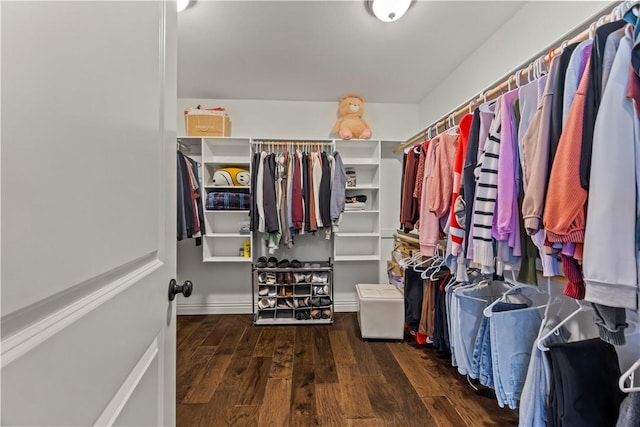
<point x="182" y="5"/>
<point x="389" y="10"/>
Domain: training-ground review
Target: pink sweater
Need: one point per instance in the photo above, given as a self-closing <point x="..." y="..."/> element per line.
<point x="437" y="188"/>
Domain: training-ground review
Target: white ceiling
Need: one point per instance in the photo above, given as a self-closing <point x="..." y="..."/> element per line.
<point x="319" y="50"/>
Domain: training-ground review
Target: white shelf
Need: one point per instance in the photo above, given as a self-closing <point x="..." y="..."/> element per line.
<point x="360" y="162"/>
<point x="226" y="160"/>
<point x="362" y="212"/>
<point x="293" y="321"/>
<point x="246" y="211"/>
<point x="364" y="187"/>
<point x="339" y="234"/>
<point x="226" y="259"/>
<point x="228" y="235"/>
<point x="357" y="258"/>
<point x="227" y="187"/>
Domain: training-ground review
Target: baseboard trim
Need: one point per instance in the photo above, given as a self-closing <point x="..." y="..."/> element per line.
<point x="242" y="307"/>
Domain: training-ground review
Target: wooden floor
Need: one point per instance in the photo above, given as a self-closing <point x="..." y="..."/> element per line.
<point x="231" y="373"/>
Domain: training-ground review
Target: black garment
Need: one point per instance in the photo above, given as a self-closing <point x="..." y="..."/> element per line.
<point x="558" y="104"/>
<point x="194" y="165"/>
<point x="468" y="177"/>
<point x="584" y="385"/>
<point x="413" y="294"/>
<point x="593" y="97"/>
<point x="325" y="192"/>
<point x="306" y="195"/>
<point x="441" y="324"/>
<point x="253" y="212"/>
<point x="184" y="202"/>
<point x="269" y="194"/>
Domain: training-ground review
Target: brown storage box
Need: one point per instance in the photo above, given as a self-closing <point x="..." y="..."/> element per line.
<point x="207" y="125"/>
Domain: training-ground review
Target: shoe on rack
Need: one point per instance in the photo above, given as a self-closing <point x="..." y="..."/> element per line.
<point x="261" y="262"/>
<point x="325" y="301"/>
<point x="282" y="303"/>
<point x="283" y="263"/>
<point x="280" y="278"/>
<point x="317" y="290"/>
<point x="262" y="277"/>
<point x="263" y="303"/>
<point x="263" y="290"/>
<point x="298" y="277"/>
<point x="272" y="291"/>
<point x="272" y="262"/>
<point x="325" y="289"/>
<point x="315" y="302"/>
<point x="315" y="314"/>
<point x="272" y="302"/>
<point x="326" y="314"/>
<point x="289" y="302"/>
<point x="288" y="291"/>
<point x="271" y="279"/>
<point x="295" y="263"/>
<point x="288" y="278"/>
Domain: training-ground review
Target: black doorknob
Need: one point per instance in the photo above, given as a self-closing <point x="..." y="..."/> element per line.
<point x="175" y="289"/>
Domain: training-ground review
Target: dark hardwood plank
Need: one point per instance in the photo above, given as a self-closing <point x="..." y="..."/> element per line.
<point x="255" y="381"/>
<point x="443" y="412"/>
<point x="329" y="404"/>
<point x="230" y="340"/>
<point x="411" y="407"/>
<point x="367" y="364"/>
<point x="275" y="406"/>
<point x="220" y="409"/>
<point x="266" y="343"/>
<point x="366" y="422"/>
<point x="282" y="362"/>
<point x="189" y="415"/>
<point x="385" y="406"/>
<point x="203" y="390"/>
<point x="234" y="374"/>
<point x="244" y="416"/>
<point x="342" y="351"/>
<point x="425" y="380"/>
<point x="303" y="404"/>
<point x="354" y="394"/>
<point x="323" y="356"/>
<point x="190" y="374"/>
<point x="218" y="331"/>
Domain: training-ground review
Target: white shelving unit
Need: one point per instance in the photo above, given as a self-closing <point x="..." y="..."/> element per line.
<point x="222" y="241"/>
<point x="359" y="235"/>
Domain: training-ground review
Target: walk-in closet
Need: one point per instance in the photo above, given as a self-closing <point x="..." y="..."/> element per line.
<point x="358" y="213"/>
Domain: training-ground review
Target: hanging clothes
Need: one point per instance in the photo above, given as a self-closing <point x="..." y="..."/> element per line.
<point x="189" y="200"/>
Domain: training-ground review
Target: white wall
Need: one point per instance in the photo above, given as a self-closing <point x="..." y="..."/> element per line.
<point x="226" y="287"/>
<point x="299" y="119"/>
<point x="538" y="25"/>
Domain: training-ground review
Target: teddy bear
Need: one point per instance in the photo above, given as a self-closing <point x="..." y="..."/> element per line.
<point x="350" y="123"/>
<point x="231" y="176"/>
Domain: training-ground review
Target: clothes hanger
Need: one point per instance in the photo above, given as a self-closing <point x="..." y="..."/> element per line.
<point x="629" y="374"/>
<point x="581" y="308"/>
<point x="453" y="129"/>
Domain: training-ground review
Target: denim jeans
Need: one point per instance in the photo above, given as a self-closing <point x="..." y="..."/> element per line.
<point x="512" y="336"/>
<point x="481" y="364"/>
<point x="471" y="302"/>
<point x="533" y="399"/>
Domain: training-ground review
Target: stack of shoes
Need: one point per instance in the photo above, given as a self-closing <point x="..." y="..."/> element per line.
<point x="303" y="315"/>
<point x="264" y="303"/>
<point x="267" y="291"/>
<point x="320" y="302"/>
<point x="302" y="277"/>
<point x="321" y="290"/>
<point x="320" y="277"/>
<point x="301" y="302"/>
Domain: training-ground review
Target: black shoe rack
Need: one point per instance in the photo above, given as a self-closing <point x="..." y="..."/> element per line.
<point x="293" y="295"/>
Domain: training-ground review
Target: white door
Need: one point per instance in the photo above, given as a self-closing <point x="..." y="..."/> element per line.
<point x="88" y="212"/>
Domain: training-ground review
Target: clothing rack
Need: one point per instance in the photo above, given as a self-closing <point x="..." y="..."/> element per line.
<point x="309" y="144"/>
<point x="536" y="66"/>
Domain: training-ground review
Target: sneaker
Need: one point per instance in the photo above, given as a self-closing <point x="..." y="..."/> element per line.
<point x="263" y="303"/>
<point x="263" y="290"/>
<point x="262" y="277"/>
<point x="261" y="262"/>
<point x="325" y="289"/>
<point x="272" y="302"/>
<point x="272" y="262"/>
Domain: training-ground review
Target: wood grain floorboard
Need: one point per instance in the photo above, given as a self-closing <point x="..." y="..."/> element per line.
<point x="325" y="364"/>
<point x="442" y="410"/>
<point x="254" y="381"/>
<point x="244" y="416"/>
<point x="275" y="407"/>
<point x="203" y="390"/>
<point x="233" y="373"/>
<point x="329" y="405"/>
<point x="266" y="342"/>
<point x="193" y="371"/>
<point x="303" y="403"/>
<point x="282" y="362"/>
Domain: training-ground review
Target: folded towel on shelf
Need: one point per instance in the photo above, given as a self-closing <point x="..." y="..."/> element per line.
<point x="357" y="206"/>
<point x="361" y="198"/>
<point x="227" y="201"/>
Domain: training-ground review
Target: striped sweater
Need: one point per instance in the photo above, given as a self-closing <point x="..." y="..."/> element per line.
<point x="486" y="196"/>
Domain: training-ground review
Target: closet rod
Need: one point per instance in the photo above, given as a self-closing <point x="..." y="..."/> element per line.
<point x="509" y="82"/>
<point x="290" y="143"/>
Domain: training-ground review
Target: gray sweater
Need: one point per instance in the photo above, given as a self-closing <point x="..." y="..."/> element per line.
<point x="338" y="187"/>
